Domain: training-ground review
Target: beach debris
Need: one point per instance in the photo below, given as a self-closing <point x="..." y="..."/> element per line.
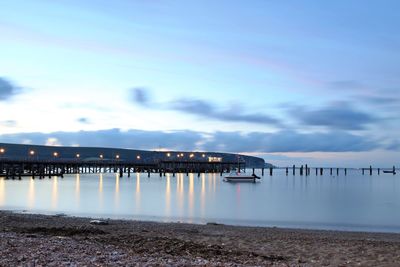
<point x="213" y="223"/>
<point x="98" y="222"/>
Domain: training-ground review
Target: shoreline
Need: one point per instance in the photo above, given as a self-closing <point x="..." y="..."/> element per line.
<point x="198" y="221"/>
<point x="32" y="239"/>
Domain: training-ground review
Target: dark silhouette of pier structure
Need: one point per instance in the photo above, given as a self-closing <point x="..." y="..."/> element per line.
<point x="48" y="168"/>
<point x="17" y="161"/>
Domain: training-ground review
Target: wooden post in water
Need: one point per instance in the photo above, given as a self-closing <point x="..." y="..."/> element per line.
<point x="337" y="171"/>
<point x="306" y="169"/>
<point x="287" y="171"/>
<point x="270" y="171"/>
<point x="362" y="171"/>
<point x="148" y="172"/>
<point x="316" y="171"/>
<point x="370" y="170"/>
<point x="379" y="171"/>
<point x="301" y="170"/>
<point x="331" y="171"/>
<point x="294" y="169"/>
<point x="322" y="171"/>
<point x="262" y="172"/>
<point x="394" y="170"/>
<point x="253" y="170"/>
<point x="345" y="171"/>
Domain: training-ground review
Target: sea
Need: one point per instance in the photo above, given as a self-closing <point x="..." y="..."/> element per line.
<point x="352" y="202"/>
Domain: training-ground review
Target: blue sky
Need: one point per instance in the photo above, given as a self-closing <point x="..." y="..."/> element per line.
<point x="292" y="81"/>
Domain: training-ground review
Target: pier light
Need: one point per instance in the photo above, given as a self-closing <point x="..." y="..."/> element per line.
<point x="101" y="156"/>
<point x="204" y="155"/>
<point x="78" y="155"/>
<point x="2" y="150"/>
<point x="168" y="154"/>
<point x="138" y="156"/>
<point x="191" y="155"/>
<point x="181" y="154"/>
<point x="32" y="152"/>
<point x="117" y="156"/>
<point x="55" y="154"/>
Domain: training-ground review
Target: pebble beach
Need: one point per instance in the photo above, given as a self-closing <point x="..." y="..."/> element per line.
<point x="45" y="240"/>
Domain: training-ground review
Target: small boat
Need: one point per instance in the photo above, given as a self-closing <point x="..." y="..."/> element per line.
<point x="238" y="177"/>
<point x="391" y="171"/>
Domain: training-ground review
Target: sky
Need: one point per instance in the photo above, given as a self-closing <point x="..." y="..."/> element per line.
<point x="293" y="82"/>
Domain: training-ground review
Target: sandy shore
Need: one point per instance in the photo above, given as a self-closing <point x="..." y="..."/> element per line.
<point x="34" y="240"/>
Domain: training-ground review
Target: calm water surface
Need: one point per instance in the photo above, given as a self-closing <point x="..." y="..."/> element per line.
<point x="352" y="202"/>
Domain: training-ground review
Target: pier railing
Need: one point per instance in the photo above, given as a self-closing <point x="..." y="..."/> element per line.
<point x="17" y="168"/>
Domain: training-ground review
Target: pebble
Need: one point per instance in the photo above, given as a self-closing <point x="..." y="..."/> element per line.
<point x="98" y="222"/>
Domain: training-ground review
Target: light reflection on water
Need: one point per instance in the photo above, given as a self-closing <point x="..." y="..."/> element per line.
<point x="352" y="202"/>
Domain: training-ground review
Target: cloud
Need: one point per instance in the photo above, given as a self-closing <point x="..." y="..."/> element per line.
<point x="140" y="96"/>
<point x="51" y="141"/>
<point x="290" y="141"/>
<point x="8" y="123"/>
<point x="346" y="85"/>
<point x="209" y="110"/>
<point x="179" y="140"/>
<point x="394" y="145"/>
<point x="339" y="115"/>
<point x="7" y="89"/>
<point x="260" y="142"/>
<point x="83" y="120"/>
<point x="205" y="109"/>
<point x="389" y="101"/>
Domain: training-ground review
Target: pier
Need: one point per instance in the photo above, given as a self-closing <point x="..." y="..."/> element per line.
<point x="47" y="168"/>
<point x="17" y="161"/>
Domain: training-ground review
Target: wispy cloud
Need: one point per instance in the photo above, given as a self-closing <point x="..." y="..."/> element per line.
<point x="140" y="95"/>
<point x="338" y="115"/>
<point x="206" y="109"/>
<point x="8" y="123"/>
<point x="233" y="114"/>
<point x="83" y="120"/>
<point x="344" y="85"/>
<point x="7" y="89"/>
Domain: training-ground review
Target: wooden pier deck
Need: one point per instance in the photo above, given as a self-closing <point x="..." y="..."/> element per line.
<point x="13" y="168"/>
